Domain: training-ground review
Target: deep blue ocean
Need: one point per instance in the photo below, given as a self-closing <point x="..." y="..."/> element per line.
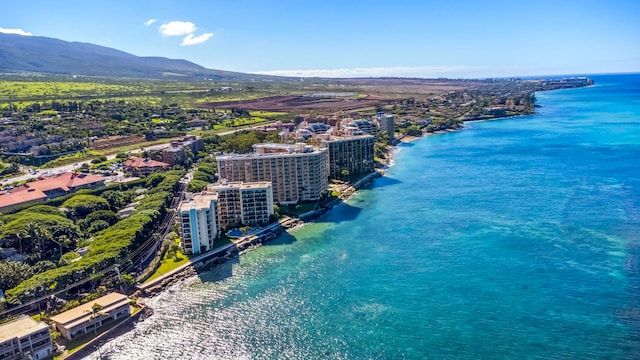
<point x="510" y="239"/>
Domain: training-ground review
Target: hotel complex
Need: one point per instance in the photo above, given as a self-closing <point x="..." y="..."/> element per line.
<point x="353" y="154"/>
<point x="297" y="172"/>
<point x="250" y="184"/>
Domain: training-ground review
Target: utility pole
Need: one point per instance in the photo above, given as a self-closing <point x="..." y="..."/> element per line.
<point x="117" y="269"/>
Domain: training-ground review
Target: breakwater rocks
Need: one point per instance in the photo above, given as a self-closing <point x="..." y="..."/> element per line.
<point x="217" y="257"/>
<point x="246" y="243"/>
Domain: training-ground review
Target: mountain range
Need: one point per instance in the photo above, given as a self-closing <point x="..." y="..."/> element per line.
<point x="38" y="54"/>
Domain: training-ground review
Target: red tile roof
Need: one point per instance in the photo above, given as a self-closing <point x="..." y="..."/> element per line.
<point x="20" y="195"/>
<point x="66" y="181"/>
<point x="136" y="162"/>
<point x="36" y="190"/>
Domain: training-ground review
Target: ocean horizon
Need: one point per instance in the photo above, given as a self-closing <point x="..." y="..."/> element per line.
<point x="515" y="238"/>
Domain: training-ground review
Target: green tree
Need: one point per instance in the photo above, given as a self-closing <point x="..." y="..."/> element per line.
<point x="96" y="312"/>
<point x="197" y="185"/>
<point x="81" y="205"/>
<point x="203" y="176"/>
<point x="12" y="273"/>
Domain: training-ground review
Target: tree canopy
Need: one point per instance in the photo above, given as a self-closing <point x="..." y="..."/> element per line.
<point x="81" y="205"/>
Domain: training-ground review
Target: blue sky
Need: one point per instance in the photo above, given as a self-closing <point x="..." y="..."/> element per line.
<point x="453" y="38"/>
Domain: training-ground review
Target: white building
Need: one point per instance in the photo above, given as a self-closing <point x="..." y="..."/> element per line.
<point x="243" y="203"/>
<point x="198" y="218"/>
<point x="297" y="172"/>
<point x="360" y="127"/>
<point x="25" y="336"/>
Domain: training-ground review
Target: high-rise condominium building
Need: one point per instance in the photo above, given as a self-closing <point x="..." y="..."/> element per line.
<point x="387" y="124"/>
<point x="198" y="218"/>
<point x="243" y="203"/>
<point x="353" y="154"/>
<point x="297" y="172"/>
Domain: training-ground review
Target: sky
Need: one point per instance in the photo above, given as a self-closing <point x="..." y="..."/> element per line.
<point x="408" y="38"/>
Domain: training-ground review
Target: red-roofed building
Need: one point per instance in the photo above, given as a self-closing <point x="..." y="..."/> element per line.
<point x="20" y="196"/>
<point x="47" y="187"/>
<point x="139" y="166"/>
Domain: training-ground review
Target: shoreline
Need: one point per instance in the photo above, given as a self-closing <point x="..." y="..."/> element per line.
<point x="208" y="261"/>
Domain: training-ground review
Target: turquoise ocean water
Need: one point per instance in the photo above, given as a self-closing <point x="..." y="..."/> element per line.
<point x="517" y="238"/>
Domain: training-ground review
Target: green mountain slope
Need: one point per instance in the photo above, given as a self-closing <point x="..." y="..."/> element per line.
<point x="36" y="54"/>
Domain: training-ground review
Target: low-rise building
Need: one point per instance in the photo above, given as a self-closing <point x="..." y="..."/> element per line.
<point x="243" y="203"/>
<point x="25" y="336"/>
<point x="198" y="220"/>
<point x="141" y="167"/>
<point x="176" y="152"/>
<point x="82" y="319"/>
<point x="353" y="155"/>
<point x="360" y="127"/>
<point x="47" y="187"/>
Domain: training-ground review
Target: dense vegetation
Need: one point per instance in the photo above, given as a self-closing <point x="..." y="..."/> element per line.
<point x="109" y="240"/>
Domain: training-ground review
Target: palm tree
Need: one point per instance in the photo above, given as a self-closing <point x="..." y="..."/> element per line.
<point x="96" y="312"/>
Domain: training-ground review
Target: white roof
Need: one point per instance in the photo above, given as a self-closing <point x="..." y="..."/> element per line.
<point x="20" y="327"/>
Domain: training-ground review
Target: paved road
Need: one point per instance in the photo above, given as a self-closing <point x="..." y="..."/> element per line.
<point x="71" y="167"/>
<point x="60" y="169"/>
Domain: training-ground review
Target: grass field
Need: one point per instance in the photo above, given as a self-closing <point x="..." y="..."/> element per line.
<point x="169" y="263"/>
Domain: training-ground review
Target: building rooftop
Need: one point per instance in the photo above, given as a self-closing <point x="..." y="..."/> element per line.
<point x="198" y="201"/>
<point x="20" y="195"/>
<point x="344" y="138"/>
<point x="64" y="181"/>
<point x="35" y="190"/>
<point x="239" y="184"/>
<point x="83" y="312"/>
<point x="271" y="149"/>
<point x="22" y="326"/>
<point x="136" y="162"/>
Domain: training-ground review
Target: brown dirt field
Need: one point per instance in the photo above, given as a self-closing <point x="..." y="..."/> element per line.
<point x="381" y="91"/>
<point x="293" y="103"/>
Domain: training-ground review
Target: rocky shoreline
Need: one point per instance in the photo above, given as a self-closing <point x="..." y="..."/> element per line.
<point x="221" y="255"/>
<point x="244" y="244"/>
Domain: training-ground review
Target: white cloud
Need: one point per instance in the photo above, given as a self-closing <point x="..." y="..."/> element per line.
<point x="150" y="21"/>
<point x="15" y="31"/>
<point x="192" y="39"/>
<point x="187" y="28"/>
<point x="177" y="28"/>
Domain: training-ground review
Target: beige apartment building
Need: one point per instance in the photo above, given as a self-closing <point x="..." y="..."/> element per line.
<point x="353" y="154"/>
<point x="297" y="172"/>
<point x="25" y="336"/>
<point x="243" y="203"/>
<point x="81" y="320"/>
